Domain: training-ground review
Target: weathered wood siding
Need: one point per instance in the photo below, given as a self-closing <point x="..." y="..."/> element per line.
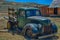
<point x="45" y="11"/>
<point x="51" y="11"/>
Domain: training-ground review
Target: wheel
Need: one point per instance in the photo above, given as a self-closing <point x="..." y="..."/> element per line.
<point x="8" y="25"/>
<point x="31" y="31"/>
<point x="30" y="34"/>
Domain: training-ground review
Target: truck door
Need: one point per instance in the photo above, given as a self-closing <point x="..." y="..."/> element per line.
<point x="21" y="19"/>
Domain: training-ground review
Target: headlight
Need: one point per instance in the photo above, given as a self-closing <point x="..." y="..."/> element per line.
<point x="39" y="25"/>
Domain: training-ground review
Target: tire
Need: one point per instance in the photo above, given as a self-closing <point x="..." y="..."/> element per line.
<point x="29" y="33"/>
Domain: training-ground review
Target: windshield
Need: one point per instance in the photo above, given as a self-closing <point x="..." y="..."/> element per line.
<point x="32" y="13"/>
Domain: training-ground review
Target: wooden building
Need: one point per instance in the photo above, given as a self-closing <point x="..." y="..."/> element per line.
<point x="46" y="11"/>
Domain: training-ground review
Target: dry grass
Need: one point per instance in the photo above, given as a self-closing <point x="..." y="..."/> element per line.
<point x="3" y="22"/>
<point x="3" y="14"/>
<point x="56" y="21"/>
<point x="8" y="36"/>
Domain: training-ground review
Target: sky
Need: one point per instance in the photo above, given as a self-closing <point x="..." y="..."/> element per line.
<point x="46" y="2"/>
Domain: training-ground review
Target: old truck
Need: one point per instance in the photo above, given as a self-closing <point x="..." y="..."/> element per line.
<point x="29" y="22"/>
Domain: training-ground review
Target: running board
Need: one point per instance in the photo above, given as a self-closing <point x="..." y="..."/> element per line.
<point x="46" y="36"/>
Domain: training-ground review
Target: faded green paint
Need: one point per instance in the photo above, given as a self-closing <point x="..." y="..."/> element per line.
<point x="21" y="21"/>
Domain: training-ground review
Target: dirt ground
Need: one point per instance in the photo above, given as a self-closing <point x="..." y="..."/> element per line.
<point x="9" y="36"/>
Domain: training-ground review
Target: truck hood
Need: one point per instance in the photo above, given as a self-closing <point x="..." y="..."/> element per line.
<point x="38" y="18"/>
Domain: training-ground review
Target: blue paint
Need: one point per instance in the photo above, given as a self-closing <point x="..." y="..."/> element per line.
<point x="33" y="12"/>
<point x="54" y="28"/>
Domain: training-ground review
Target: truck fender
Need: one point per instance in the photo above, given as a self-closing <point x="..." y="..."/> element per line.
<point x="54" y="28"/>
<point x="31" y="26"/>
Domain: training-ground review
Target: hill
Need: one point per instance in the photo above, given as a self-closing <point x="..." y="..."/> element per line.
<point x="4" y="5"/>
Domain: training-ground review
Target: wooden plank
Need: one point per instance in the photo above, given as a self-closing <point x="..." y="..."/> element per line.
<point x="3" y="30"/>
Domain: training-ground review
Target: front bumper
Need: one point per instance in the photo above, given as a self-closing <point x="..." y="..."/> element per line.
<point x="45" y="36"/>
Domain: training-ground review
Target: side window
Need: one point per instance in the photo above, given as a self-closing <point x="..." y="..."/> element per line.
<point x="22" y="13"/>
<point x="28" y="13"/>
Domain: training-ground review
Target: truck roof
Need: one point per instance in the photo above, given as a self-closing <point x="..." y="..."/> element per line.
<point x="28" y="8"/>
